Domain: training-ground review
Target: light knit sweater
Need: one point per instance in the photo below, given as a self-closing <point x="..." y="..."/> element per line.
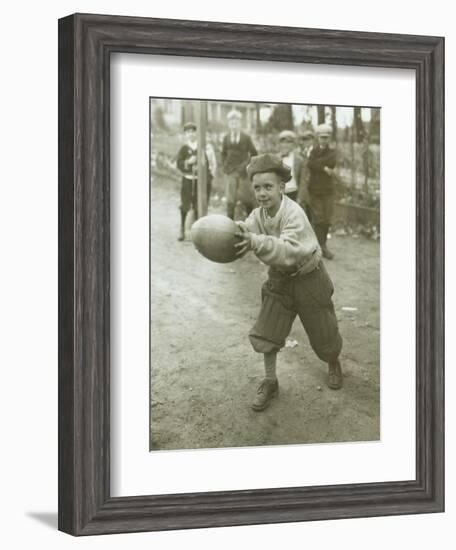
<point x="286" y="241"/>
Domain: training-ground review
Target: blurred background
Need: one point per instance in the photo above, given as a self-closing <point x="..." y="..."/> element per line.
<point x="355" y="135"/>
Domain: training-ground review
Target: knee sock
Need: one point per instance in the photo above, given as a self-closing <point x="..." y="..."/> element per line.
<point x="270" y="362"/>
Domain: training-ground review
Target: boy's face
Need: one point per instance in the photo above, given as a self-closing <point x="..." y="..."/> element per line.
<point x="190" y="135"/>
<point x="268" y="188"/>
<point x="286" y="146"/>
<point x="234" y="124"/>
<point x="323" y="140"/>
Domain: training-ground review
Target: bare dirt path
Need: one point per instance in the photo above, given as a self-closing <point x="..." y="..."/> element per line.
<point x="204" y="373"/>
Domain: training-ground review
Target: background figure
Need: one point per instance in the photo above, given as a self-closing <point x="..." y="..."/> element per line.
<point x="321" y="164"/>
<point x="187" y="163"/>
<point x="291" y="158"/>
<point x="306" y="144"/>
<point x="211" y="165"/>
<point x="237" y="149"/>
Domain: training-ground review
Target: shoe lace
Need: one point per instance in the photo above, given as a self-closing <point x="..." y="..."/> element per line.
<point x="263" y="387"/>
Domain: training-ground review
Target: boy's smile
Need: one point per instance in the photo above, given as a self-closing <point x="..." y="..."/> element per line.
<point x="268" y="188"/>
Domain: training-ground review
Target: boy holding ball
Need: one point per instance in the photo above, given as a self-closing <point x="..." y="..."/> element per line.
<point x="280" y="235"/>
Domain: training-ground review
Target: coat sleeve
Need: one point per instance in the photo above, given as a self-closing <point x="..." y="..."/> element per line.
<point x="297" y="168"/>
<point x="295" y="245"/>
<point x="251" y="223"/>
<point x="251" y="148"/>
<point x="331" y="158"/>
<point x="318" y="163"/>
<point x="180" y="161"/>
<point x="224" y="150"/>
<point x="303" y="184"/>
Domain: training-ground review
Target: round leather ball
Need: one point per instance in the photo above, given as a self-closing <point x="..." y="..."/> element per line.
<point x="214" y="237"/>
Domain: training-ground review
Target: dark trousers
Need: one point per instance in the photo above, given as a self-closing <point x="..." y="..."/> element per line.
<point x="189" y="195"/>
<point x="293" y="195"/>
<point x="322" y="209"/>
<point x="310" y="297"/>
<point x="238" y="187"/>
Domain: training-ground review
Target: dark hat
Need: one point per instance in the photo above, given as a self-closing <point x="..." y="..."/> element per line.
<point x="189" y="126"/>
<point x="268" y="163"/>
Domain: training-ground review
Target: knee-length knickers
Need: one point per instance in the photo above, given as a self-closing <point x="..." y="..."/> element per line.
<point x="309" y="296"/>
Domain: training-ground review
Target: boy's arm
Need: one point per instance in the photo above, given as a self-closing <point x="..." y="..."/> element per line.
<point x="224" y="151"/>
<point x="180" y="161"/>
<point x="246" y="229"/>
<point x="294" y="247"/>
<point x="331" y="159"/>
<point x="325" y="161"/>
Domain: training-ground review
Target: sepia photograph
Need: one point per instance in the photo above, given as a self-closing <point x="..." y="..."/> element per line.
<point x="264" y="274"/>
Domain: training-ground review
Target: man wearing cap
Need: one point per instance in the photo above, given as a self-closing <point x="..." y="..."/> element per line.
<point x="187" y="163"/>
<point x="280" y="235"/>
<point x="237" y="149"/>
<point x="292" y="159"/>
<point x="321" y="164"/>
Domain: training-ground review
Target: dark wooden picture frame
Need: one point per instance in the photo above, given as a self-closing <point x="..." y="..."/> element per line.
<point x="85" y="45"/>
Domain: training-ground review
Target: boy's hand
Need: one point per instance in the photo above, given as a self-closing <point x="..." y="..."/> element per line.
<point x="329" y="171"/>
<point x="245" y="243"/>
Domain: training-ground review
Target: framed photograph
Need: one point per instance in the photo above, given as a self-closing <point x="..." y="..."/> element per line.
<point x="251" y="274"/>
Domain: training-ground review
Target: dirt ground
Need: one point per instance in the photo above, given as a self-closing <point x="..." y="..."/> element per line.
<point x="204" y="373"/>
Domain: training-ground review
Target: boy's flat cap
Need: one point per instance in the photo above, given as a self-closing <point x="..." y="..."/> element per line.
<point x="287" y="135"/>
<point x="268" y="163"/>
<point x="189" y="126"/>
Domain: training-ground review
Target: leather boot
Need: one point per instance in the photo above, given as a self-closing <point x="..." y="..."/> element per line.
<point x="267" y="390"/>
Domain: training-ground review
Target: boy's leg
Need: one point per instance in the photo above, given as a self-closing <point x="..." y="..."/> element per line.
<point x="268" y="336"/>
<point x="182" y="227"/>
<point x="328" y="209"/>
<point x="321" y="212"/>
<point x="269" y="388"/>
<point x="316" y="311"/>
<point x="246" y="194"/>
<point x="186" y="202"/>
<point x="231" y="184"/>
<point x="270" y="366"/>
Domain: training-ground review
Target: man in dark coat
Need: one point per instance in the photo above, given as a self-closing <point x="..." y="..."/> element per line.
<point x="321" y="164"/>
<point x="237" y="149"/>
<point x="306" y="144"/>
